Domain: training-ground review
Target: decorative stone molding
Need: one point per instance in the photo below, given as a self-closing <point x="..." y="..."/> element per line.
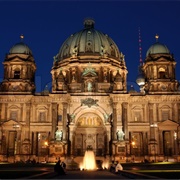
<point x="89" y="102"/>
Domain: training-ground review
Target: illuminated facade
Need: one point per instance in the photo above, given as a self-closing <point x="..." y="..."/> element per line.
<point x="89" y="106"/>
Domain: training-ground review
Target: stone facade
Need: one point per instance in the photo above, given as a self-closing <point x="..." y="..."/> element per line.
<point x="89" y="106"/>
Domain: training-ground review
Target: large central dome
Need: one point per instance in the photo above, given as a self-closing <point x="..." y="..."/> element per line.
<point x="88" y="42"/>
<point x="89" y="61"/>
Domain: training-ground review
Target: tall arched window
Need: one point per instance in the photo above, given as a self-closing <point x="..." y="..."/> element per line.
<point x="162" y="73"/>
<point x="17" y="74"/>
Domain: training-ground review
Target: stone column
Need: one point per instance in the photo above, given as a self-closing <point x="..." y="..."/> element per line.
<point x="160" y="142"/>
<point x="175" y="112"/>
<point x="0" y="110"/>
<point x="18" y="142"/>
<point x="54" y="120"/>
<point x="125" y="121"/>
<point x="155" y="72"/>
<point x="173" y="142"/>
<point x="27" y="115"/>
<point x="65" y="105"/>
<point x="151" y="121"/>
<point x="5" y="117"/>
<point x="145" y="144"/>
<point x="175" y="145"/>
<point x="146" y="113"/>
<point x="22" y="115"/>
<point x="83" y="143"/>
<point x="48" y="113"/>
<point x="114" y="121"/>
<point x="35" y="143"/>
<point x="71" y="139"/>
<point x="34" y="109"/>
<point x="96" y="145"/>
<point x="156" y="114"/>
<point x="108" y="127"/>
<point x="1" y="139"/>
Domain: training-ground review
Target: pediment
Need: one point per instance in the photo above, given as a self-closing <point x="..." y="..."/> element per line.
<point x="11" y="125"/>
<point x="161" y="60"/>
<point x="89" y="71"/>
<point x="90" y="74"/>
<point x="168" y="125"/>
<point x="17" y="60"/>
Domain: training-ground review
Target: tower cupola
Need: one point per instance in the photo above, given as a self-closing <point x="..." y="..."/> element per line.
<point x="159" y="70"/>
<point x="19" y="70"/>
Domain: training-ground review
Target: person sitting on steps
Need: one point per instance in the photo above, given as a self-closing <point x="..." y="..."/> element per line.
<point x="59" y="169"/>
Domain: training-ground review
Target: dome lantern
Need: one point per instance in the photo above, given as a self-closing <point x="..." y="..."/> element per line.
<point x="89" y="23"/>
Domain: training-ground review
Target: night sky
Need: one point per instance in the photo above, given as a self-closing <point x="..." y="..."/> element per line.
<point x="47" y="24"/>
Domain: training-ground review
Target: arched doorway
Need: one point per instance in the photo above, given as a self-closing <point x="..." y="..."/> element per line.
<point x="90" y="133"/>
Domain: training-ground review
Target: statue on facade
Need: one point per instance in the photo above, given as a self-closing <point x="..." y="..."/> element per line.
<point x="120" y="135"/>
<point x="89" y="87"/>
<point x="106" y="117"/>
<point x="75" y="50"/>
<point x="55" y="58"/>
<point x="58" y="135"/>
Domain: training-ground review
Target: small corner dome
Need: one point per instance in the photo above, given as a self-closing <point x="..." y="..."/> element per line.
<point x="158" y="48"/>
<point x="20" y="48"/>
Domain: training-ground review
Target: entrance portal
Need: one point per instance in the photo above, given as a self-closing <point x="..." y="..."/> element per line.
<point x="90" y="132"/>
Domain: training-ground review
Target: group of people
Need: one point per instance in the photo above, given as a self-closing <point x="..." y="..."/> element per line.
<point x="116" y="167"/>
<point x="60" y="168"/>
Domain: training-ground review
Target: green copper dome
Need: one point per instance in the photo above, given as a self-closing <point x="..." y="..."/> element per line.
<point x="158" y="48"/>
<point x="20" y="48"/>
<point x="87" y="42"/>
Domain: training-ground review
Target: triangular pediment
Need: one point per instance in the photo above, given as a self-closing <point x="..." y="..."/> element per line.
<point x="11" y="125"/>
<point x="89" y="71"/>
<point x="90" y="74"/>
<point x="17" y="60"/>
<point x="168" y="125"/>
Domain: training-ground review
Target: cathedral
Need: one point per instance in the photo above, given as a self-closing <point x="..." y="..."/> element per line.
<point x="89" y="106"/>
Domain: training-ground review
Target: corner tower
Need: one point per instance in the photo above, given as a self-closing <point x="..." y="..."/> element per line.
<point x="19" y="70"/>
<point x="159" y="70"/>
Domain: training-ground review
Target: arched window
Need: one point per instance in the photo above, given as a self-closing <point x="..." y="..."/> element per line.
<point x="162" y="73"/>
<point x="42" y="116"/>
<point x="17" y="74"/>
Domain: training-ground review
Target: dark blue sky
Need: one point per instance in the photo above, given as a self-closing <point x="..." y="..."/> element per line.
<point x="47" y="24"/>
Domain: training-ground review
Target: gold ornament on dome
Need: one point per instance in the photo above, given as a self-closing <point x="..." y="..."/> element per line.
<point x="157" y="37"/>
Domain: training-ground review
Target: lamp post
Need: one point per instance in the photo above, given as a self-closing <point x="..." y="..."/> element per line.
<point x="47" y="150"/>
